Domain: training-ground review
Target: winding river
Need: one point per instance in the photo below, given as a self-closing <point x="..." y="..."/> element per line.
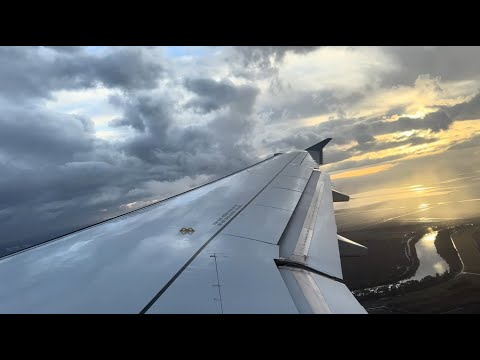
<point x="431" y="263"/>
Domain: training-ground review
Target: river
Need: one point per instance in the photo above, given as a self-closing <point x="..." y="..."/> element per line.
<point x="431" y="263"/>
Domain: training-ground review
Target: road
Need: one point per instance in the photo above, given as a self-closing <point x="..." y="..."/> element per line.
<point x="467" y="250"/>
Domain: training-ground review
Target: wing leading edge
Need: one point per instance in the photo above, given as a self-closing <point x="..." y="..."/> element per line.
<point x="263" y="241"/>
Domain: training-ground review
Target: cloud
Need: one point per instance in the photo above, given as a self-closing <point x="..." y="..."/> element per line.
<point x="469" y="110"/>
<point x="470" y="143"/>
<point x="32" y="134"/>
<point x="213" y="95"/>
<point x="451" y="63"/>
<point x="220" y="145"/>
<point x="67" y="49"/>
<point x="362" y="171"/>
<point x="262" y="61"/>
<point x="28" y="73"/>
<point x="304" y="104"/>
<point x="184" y="120"/>
<point x="362" y="130"/>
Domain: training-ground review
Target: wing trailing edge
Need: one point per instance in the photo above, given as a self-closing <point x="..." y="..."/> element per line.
<point x="339" y="197"/>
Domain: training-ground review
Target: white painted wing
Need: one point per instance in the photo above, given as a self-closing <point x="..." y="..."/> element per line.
<point x="234" y="255"/>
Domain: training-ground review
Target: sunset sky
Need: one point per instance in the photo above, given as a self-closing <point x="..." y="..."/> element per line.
<point x="88" y="132"/>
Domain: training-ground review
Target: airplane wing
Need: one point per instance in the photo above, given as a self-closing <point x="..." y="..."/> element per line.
<point x="262" y="240"/>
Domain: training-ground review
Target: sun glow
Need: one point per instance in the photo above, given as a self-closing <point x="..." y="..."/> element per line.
<point x="430" y="236"/>
<point x="362" y="171"/>
<point x="419" y="188"/>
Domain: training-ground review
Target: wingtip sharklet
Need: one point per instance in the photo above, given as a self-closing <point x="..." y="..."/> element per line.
<point x="319" y="146"/>
<point x="316" y="151"/>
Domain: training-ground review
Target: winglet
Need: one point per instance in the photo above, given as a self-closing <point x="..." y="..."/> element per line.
<point x="316" y="151"/>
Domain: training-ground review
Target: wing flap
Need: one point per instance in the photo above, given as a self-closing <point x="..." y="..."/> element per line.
<point x="317" y="294"/>
<point x="311" y="235"/>
<point x="232" y="276"/>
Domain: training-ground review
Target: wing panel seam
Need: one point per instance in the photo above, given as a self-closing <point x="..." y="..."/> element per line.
<point x="174" y="277"/>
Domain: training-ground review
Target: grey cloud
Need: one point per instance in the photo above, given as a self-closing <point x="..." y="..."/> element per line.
<point x="469" y="110"/>
<point x="395" y="111"/>
<point x="213" y="95"/>
<point x="472" y="142"/>
<point x="57" y="176"/>
<point x="336" y="155"/>
<point x="362" y="134"/>
<point x="143" y="113"/>
<point x="374" y="146"/>
<point x="26" y="73"/>
<point x="32" y="134"/>
<point x="261" y="55"/>
<point x="260" y="61"/>
<point x="308" y="104"/>
<point x="435" y="121"/>
<point x="66" y="49"/>
<point x="363" y="130"/>
<point x="124" y="69"/>
<point x="222" y="145"/>
<point x="448" y="62"/>
<point x="359" y="163"/>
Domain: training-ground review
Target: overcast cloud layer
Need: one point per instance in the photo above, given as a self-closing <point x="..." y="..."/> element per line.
<point x="90" y="132"/>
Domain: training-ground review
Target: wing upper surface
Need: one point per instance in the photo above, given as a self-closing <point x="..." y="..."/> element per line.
<point x="119" y="266"/>
<point x="240" y="226"/>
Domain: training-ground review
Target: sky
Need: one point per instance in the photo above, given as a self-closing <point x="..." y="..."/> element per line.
<point x="87" y="133"/>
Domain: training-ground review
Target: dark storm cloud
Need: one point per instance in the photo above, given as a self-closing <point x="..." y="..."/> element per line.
<point x="56" y="176"/>
<point x="59" y="177"/>
<point x="49" y="169"/>
<point x="219" y="145"/>
<point x="261" y="55"/>
<point x="212" y="95"/>
<point x="143" y="113"/>
<point x="29" y="134"/>
<point x="27" y="73"/>
<point x="123" y="69"/>
<point x="159" y="135"/>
